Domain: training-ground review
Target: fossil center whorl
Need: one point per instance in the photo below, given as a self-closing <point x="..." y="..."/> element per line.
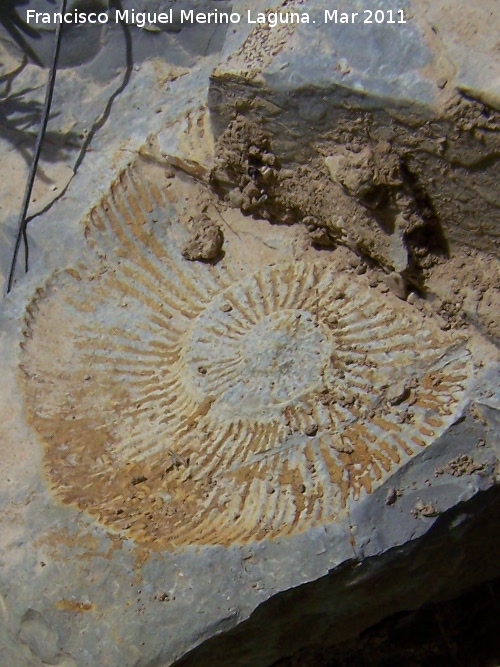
<point x="252" y="365"/>
<point x="283" y="355"/>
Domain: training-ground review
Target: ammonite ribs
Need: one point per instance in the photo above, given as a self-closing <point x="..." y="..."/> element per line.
<point x="181" y="406"/>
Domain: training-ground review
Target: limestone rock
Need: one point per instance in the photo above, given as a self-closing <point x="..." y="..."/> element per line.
<point x="188" y="144"/>
<point x="431" y="170"/>
<point x="252" y="414"/>
<point x="221" y="462"/>
<point x="205" y="243"/>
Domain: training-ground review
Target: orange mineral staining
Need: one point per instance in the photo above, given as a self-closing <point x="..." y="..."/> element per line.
<point x="180" y="405"/>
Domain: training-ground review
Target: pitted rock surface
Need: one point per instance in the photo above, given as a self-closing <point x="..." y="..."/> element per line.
<point x="231" y="408"/>
<point x="250" y="383"/>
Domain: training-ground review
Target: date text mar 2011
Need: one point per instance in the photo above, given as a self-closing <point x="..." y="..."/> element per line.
<point x="367" y="16"/>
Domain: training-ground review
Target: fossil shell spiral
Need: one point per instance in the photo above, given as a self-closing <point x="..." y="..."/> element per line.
<point x="179" y="404"/>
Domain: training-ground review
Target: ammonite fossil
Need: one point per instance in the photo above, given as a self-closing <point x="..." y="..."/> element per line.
<point x="179" y="404"/>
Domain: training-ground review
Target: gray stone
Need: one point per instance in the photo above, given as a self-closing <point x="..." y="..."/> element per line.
<point x="223" y="461"/>
<point x="418" y="93"/>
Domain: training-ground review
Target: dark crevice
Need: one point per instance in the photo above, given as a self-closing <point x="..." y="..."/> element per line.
<point x="380" y="202"/>
<point x="425" y="209"/>
<point x="426" y="241"/>
<point x="460" y="633"/>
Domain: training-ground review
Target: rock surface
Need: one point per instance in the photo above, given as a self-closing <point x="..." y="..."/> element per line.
<point x="374" y="144"/>
<point x="225" y="461"/>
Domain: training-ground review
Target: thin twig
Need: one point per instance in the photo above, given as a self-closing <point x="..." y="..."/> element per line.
<point x="21" y="233"/>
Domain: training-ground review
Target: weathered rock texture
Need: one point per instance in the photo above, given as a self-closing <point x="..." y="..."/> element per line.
<point x="372" y="147"/>
<point x="233" y="408"/>
<point x="251" y="382"/>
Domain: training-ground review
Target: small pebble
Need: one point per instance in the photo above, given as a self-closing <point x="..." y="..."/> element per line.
<point x="391" y="496"/>
<point x="397" y="284"/>
<point x="412" y="298"/>
<point x="311" y="430"/>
